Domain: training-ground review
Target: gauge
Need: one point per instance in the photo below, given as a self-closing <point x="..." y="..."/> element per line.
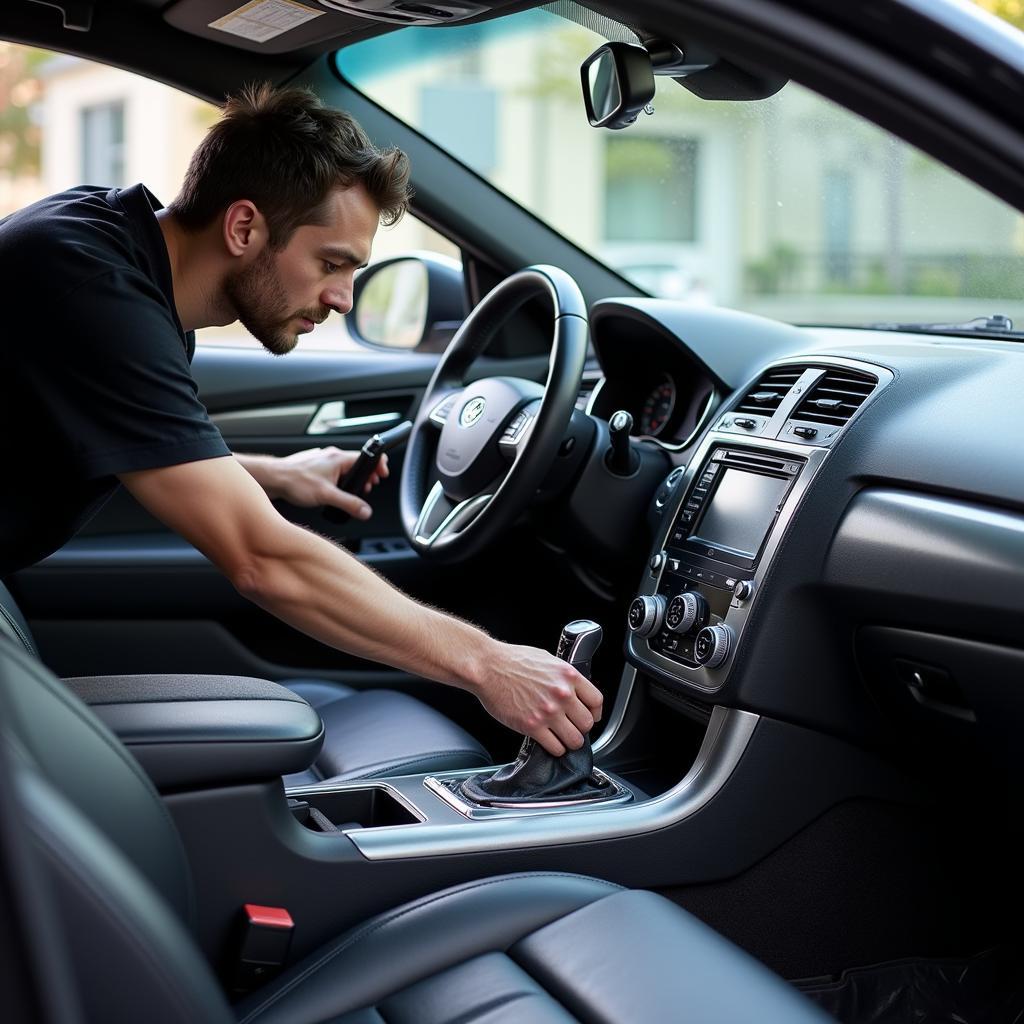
<point x="658" y="407"/>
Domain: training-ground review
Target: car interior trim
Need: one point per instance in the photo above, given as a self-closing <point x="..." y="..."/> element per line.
<point x="806" y="461"/>
<point x="728" y="734"/>
<point x="450" y="794"/>
<point x="277" y="419"/>
<point x="331" y="418"/>
<point x="459" y="516"/>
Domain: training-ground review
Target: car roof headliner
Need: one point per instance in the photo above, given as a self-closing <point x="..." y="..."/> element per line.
<point x="137" y="35"/>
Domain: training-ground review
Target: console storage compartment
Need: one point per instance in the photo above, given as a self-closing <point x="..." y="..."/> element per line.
<point x="194" y="731"/>
<point x="370" y="806"/>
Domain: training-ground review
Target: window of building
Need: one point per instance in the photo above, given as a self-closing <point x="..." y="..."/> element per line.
<point x="103" y="144"/>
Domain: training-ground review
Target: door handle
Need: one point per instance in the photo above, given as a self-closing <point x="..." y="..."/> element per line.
<point x="330" y="418"/>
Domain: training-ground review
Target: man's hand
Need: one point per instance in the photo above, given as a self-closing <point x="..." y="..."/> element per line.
<point x="309" y="478"/>
<point x="319" y="588"/>
<point x="534" y="692"/>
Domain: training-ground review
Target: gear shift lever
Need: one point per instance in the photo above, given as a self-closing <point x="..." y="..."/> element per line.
<point x="579" y="643"/>
<point x="620" y="457"/>
<point x="535" y="776"/>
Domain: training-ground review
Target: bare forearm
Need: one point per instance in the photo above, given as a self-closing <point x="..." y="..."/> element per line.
<point x="323" y="591"/>
<point x="262" y="468"/>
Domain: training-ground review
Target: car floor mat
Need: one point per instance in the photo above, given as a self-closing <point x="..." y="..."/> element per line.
<point x="984" y="989"/>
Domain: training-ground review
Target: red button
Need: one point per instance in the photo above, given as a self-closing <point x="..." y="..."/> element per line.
<point x="268" y="917"/>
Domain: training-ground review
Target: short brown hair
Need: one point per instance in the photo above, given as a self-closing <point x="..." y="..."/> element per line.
<point x="285" y="151"/>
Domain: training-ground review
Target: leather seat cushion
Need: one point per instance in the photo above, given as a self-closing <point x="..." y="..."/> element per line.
<point x="376" y="733"/>
<point x="530" y="949"/>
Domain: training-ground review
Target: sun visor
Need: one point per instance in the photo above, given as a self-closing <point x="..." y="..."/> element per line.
<point x="280" y="26"/>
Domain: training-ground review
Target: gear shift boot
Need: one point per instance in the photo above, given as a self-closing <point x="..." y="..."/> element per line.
<point x="535" y="776"/>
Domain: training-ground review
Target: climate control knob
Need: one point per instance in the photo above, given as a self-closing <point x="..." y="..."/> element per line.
<point x="713" y="645"/>
<point x="685" y="611"/>
<point x="646" y="614"/>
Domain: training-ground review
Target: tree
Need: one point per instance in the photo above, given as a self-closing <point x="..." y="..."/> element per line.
<point x="1009" y="10"/>
<point x="20" y="89"/>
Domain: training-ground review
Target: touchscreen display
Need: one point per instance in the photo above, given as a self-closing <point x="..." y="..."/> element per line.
<point x="741" y="511"/>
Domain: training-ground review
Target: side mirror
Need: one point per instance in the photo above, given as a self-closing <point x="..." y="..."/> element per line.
<point x="414" y="301"/>
<point x="618" y="82"/>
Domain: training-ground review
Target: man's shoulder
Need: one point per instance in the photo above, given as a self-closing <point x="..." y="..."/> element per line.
<point x="66" y="238"/>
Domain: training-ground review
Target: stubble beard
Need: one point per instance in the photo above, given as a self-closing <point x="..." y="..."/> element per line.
<point x="259" y="299"/>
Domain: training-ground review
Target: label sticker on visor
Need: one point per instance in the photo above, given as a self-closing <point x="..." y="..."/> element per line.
<point x="262" y="20"/>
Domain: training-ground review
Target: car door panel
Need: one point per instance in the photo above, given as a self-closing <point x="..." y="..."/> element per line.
<point x="126" y="577"/>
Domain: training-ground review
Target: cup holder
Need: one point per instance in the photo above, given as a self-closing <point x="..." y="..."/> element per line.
<point x="345" y="809"/>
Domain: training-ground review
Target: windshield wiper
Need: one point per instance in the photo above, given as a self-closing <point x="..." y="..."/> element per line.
<point x="995" y="324"/>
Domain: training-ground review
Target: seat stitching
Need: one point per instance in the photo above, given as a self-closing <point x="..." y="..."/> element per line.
<point x="19" y="632"/>
<point x="368" y="930"/>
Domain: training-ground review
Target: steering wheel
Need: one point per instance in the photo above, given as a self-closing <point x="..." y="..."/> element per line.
<point x="493" y="441"/>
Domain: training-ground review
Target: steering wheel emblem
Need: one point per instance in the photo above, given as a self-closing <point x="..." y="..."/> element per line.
<point x="472" y="411"/>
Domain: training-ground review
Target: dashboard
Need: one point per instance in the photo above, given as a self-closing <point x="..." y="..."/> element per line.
<point x="841" y="542"/>
<point x="668" y="394"/>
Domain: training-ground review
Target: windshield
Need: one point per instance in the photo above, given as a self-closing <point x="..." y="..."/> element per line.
<point x="790" y="207"/>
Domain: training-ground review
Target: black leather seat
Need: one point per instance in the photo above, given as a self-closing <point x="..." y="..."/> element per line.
<point x="113" y="910"/>
<point x="367" y="733"/>
<point x="374" y="733"/>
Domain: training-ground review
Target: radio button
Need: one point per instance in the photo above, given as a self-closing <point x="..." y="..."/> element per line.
<point x="646" y="615"/>
<point x="713" y="645"/>
<point x="685" y="611"/>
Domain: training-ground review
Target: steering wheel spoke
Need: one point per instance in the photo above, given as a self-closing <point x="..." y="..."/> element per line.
<point x="516" y="436"/>
<point x="441" y="518"/>
<point x="443" y="406"/>
<point x="490" y="442"/>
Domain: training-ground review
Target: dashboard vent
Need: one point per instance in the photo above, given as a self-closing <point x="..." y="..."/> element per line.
<point x="767" y="394"/>
<point x="836" y="397"/>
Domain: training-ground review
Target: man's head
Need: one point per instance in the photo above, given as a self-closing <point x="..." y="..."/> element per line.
<point x="297" y="191"/>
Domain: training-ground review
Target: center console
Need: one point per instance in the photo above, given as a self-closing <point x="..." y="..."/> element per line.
<point x="722" y="522"/>
<point x="674" y="775"/>
<point x="734" y="505"/>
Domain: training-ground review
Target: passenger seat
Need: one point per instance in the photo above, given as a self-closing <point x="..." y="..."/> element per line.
<point x="367" y="733"/>
<point x="104" y="917"/>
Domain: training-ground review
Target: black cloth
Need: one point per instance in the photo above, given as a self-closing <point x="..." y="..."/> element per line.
<point x="95" y="375"/>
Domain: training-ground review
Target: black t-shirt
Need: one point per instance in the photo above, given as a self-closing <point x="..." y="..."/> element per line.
<point x="94" y="364"/>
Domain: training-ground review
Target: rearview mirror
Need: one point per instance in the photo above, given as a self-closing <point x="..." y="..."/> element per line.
<point x="618" y="82"/>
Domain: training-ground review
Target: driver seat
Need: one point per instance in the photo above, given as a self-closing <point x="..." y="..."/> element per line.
<point x="367" y="733"/>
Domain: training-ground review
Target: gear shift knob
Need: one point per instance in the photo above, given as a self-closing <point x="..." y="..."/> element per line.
<point x="621" y="458"/>
<point x="578" y="644"/>
<point x="535" y="776"/>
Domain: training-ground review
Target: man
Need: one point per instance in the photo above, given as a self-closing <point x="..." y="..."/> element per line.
<point x="103" y="290"/>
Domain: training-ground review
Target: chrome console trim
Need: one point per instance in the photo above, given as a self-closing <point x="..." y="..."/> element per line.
<point x="618" y="795"/>
<point x="728" y="734"/>
<point x="627" y="682"/>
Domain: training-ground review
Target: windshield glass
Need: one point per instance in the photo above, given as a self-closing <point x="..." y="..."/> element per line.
<point x="790" y="207"/>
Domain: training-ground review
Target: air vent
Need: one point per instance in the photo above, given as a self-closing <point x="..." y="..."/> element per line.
<point x="766" y="396"/>
<point x="836" y="397"/>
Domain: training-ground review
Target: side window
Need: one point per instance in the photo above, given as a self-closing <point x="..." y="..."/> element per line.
<point x="410" y="234"/>
<point x="66" y="121"/>
<point x="102" y="126"/>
